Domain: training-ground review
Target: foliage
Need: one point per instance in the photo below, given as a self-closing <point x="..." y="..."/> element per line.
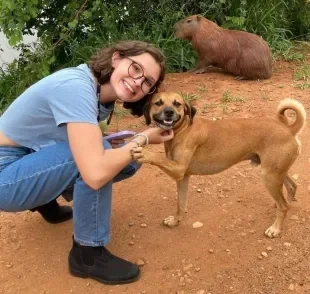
<point x="70" y="31"/>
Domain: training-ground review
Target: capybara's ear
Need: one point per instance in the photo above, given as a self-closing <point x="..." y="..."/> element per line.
<point x="146" y="112"/>
<point x="199" y="17"/>
<point x="190" y="111"/>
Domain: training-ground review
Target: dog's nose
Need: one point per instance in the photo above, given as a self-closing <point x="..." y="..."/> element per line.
<point x="168" y="112"/>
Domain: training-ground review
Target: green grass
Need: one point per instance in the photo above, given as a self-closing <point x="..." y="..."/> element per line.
<point x="190" y="97"/>
<point x="303" y="73"/>
<point x="227" y="98"/>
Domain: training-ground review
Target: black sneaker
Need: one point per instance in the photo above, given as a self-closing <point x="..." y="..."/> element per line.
<point x="53" y="213"/>
<point x="100" y="264"/>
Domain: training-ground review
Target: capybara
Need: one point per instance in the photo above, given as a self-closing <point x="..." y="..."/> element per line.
<point x="243" y="54"/>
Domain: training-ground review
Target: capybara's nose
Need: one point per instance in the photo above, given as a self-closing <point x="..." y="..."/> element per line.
<point x="168" y="112"/>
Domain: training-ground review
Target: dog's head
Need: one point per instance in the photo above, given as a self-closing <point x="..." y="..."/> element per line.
<point x="168" y="110"/>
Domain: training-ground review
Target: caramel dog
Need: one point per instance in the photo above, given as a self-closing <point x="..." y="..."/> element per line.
<point x="205" y="147"/>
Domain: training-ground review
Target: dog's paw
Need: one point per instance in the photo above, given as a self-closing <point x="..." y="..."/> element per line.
<point x="140" y="155"/>
<point x="170" y="221"/>
<point x="272" y="232"/>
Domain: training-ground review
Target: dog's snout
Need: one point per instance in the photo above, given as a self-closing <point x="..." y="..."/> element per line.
<point x="168" y="111"/>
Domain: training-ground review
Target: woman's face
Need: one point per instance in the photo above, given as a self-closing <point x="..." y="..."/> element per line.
<point x="133" y="77"/>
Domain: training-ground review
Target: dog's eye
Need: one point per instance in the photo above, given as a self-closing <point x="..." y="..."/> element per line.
<point x="177" y="104"/>
<point x="159" y="103"/>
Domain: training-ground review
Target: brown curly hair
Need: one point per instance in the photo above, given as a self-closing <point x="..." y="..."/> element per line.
<point x="101" y="66"/>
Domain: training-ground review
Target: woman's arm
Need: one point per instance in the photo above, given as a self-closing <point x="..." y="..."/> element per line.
<point x="96" y="165"/>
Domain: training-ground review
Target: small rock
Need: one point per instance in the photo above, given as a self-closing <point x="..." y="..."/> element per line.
<point x="131" y="243"/>
<point x="140" y="262"/>
<point x="201" y="292"/>
<point x="211" y="250"/>
<point x="143" y="225"/>
<point x="140" y="214"/>
<point x="131" y="224"/>
<point x="265" y="254"/>
<point x="197" y="225"/>
<point x="260" y="257"/>
<point x="199" y="190"/>
<point x="187" y="267"/>
<point x="227" y="250"/>
<point x="295" y="176"/>
<point x="9" y="265"/>
<point x="294" y="217"/>
<point x="197" y="269"/>
<point x="291" y="287"/>
<point x="287" y="244"/>
<point x="269" y="248"/>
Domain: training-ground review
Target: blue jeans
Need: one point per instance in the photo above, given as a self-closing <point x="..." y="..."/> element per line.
<point x="29" y="179"/>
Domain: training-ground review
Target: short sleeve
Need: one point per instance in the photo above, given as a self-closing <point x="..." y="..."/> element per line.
<point x="74" y="100"/>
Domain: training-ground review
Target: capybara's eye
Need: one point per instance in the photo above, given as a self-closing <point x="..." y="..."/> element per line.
<point x="189" y="20"/>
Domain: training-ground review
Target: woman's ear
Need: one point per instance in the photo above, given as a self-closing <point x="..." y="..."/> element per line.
<point x="115" y="59"/>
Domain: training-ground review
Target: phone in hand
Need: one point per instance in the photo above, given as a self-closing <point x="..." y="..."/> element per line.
<point x="120" y="135"/>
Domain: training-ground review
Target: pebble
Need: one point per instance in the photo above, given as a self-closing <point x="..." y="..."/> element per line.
<point x="265" y="254"/>
<point x="131" y="224"/>
<point x="131" y="243"/>
<point x="187" y="267"/>
<point x="269" y="248"/>
<point x="197" y="225"/>
<point x="199" y="190"/>
<point x="291" y="287"/>
<point x="211" y="250"/>
<point x="287" y="244"/>
<point x="201" y="292"/>
<point x="197" y="269"/>
<point x="143" y="225"/>
<point x="294" y="217"/>
<point x="140" y="214"/>
<point x="140" y="262"/>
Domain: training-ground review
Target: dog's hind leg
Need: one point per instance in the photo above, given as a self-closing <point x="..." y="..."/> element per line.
<point x="291" y="188"/>
<point x="274" y="183"/>
<point x="182" y="185"/>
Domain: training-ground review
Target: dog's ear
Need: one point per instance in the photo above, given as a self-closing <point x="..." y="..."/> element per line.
<point x="190" y="111"/>
<point x="146" y="112"/>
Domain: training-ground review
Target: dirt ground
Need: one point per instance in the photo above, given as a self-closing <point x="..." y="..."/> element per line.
<point x="228" y="254"/>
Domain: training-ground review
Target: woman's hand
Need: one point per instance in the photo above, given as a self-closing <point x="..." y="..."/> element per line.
<point x="157" y="135"/>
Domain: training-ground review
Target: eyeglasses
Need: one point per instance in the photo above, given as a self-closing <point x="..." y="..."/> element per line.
<point x="136" y="72"/>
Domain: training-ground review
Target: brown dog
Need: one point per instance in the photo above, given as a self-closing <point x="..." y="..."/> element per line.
<point x="243" y="54"/>
<point x="205" y="147"/>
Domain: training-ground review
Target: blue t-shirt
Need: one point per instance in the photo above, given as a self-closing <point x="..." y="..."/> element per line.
<point x="38" y="117"/>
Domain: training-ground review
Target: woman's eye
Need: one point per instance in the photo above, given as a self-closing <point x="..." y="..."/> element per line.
<point x="136" y="68"/>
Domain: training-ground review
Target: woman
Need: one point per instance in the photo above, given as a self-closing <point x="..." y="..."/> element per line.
<point x="50" y="140"/>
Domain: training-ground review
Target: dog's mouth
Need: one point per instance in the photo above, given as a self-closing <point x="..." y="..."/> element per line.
<point x="167" y="123"/>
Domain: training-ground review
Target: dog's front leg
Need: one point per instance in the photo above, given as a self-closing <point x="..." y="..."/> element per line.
<point x="172" y="221"/>
<point x="175" y="170"/>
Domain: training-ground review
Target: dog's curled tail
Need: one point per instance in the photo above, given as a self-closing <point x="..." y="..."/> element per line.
<point x="299" y="109"/>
